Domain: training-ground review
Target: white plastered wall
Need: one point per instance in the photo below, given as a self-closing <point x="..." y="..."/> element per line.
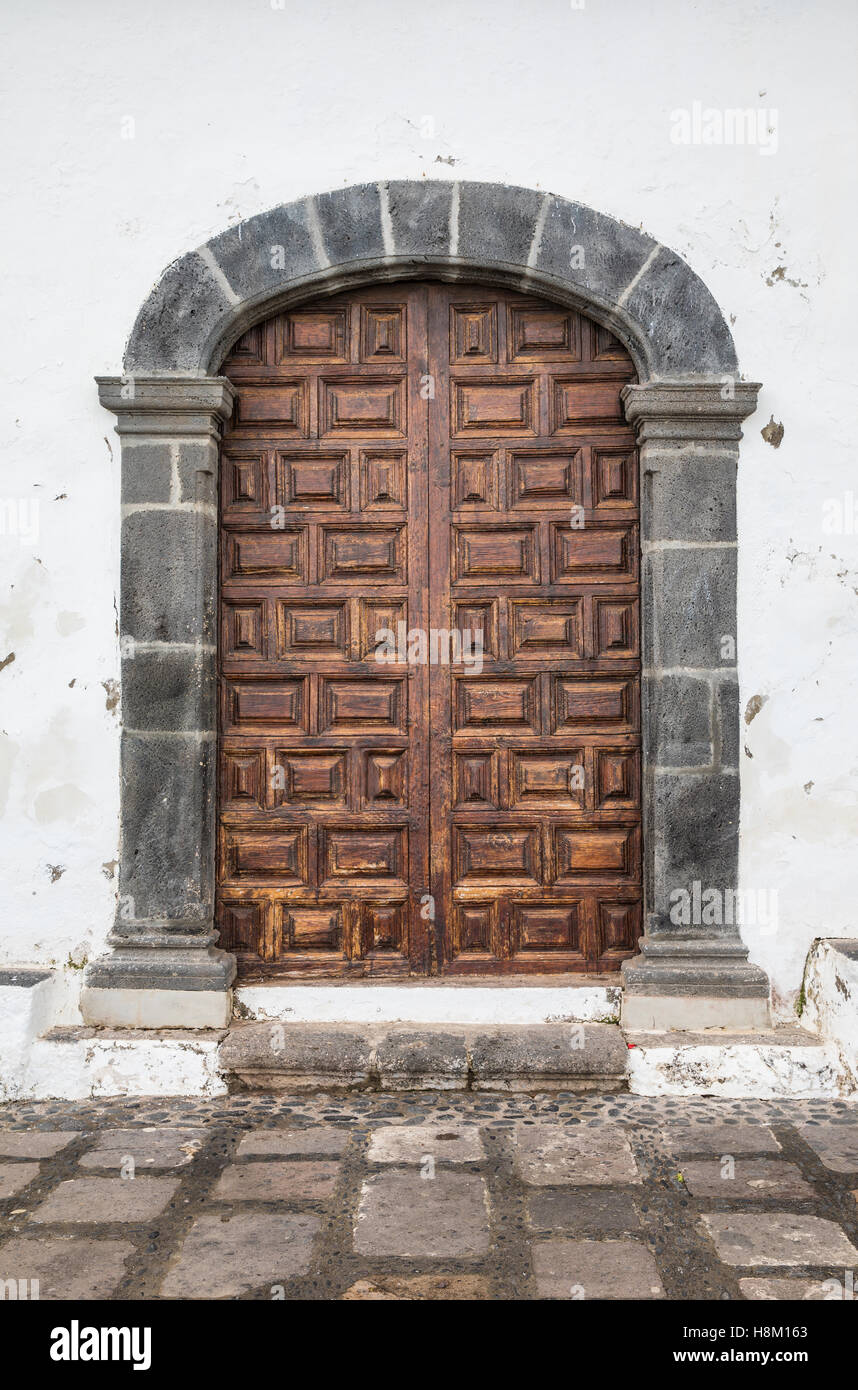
<point x="236" y="105"/>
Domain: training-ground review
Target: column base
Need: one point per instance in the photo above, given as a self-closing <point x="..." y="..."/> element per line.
<point x="691" y="983"/>
<point x="156" y="1008"/>
<point x="158" y="986"/>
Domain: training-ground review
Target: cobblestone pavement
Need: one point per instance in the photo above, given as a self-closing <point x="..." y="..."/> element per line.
<point x="430" y="1197"/>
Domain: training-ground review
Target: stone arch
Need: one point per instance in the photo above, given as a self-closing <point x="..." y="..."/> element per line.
<point x="163" y="967"/>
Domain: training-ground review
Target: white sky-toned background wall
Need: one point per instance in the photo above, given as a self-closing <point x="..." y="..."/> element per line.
<point x="240" y="104"/>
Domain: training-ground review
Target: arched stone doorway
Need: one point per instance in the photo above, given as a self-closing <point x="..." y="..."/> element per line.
<point x="163" y="968"/>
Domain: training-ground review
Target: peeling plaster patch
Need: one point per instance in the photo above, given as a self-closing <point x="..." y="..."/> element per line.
<point x="7" y="661"/>
<point x="808" y="786"/>
<point x="67" y="623"/>
<point x="779" y="276"/>
<point x="112" y="688"/>
<point x="773" y="432"/>
<point x="109" y="867"/>
<point x="66" y="802"/>
<point x="753" y="707"/>
<point x="57" y="871"/>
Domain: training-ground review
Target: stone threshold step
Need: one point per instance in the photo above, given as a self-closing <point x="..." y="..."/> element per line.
<point x="515" y="1000"/>
<point x="516" y="1057"/>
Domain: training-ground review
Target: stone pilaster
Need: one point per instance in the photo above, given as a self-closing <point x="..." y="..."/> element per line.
<point x="694" y="970"/>
<point x="163" y="968"/>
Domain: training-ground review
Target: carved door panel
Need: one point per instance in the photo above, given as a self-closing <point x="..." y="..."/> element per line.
<point x="324" y="811"/>
<point x="445" y="459"/>
<point x="535" y="767"/>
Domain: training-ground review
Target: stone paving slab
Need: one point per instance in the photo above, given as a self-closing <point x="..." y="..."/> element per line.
<point x="747" y="1178"/>
<point x="299" y="1180"/>
<point x="836" y="1145"/>
<point x="404" y="1214"/>
<point x="34" y="1143"/>
<point x="556" y="1195"/>
<point x="106" y="1199"/>
<point x="604" y="1213"/>
<point x="223" y="1258"/>
<point x="546" y="1156"/>
<point x="66" y="1267"/>
<point x="769" y="1239"/>
<point x="587" y="1269"/>
<point x="16" y="1176"/>
<point x="412" y="1144"/>
<point x="148" y="1148"/>
<point x="322" y="1139"/>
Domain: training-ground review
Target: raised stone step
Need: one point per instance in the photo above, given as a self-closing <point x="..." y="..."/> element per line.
<point x="785" y="1062"/>
<point x="564" y="1057"/>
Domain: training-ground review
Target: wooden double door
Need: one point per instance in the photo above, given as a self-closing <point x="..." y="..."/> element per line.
<point x="429" y="640"/>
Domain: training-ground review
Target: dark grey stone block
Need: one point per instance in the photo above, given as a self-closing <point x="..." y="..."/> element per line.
<point x="23" y="979"/>
<point x="727" y="713"/>
<point x="245" y="253"/>
<point x="549" y="1050"/>
<point x="339" y="1053"/>
<point x="168" y="808"/>
<point x="420" y="217"/>
<point x="696" y="819"/>
<point x="695" y="604"/>
<point x="583" y="1213"/>
<point x="613" y="252"/>
<point x="197" y="466"/>
<point x="169" y="690"/>
<point x="497" y="224"/>
<point x="691" y="497"/>
<point x="187" y="306"/>
<point x="160" y="965"/>
<point x="169" y="576"/>
<point x="686" y="328"/>
<point x="350" y="220"/>
<point x="415" y="1057"/>
<point x="147" y="471"/>
<point x="677" y="710"/>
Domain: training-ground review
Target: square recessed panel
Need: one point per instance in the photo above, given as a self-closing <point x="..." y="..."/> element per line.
<point x="475" y="929"/>
<point x="306" y="628"/>
<point x="618" y="925"/>
<point x="370" y="706"/>
<point x="243" y="629"/>
<point x="615" y="473"/>
<point x="485" y="853"/>
<point x="312" y="335"/>
<point x="545" y="478"/>
<point x="244" y="481"/>
<point x="282" y="406"/>
<point x="366" y="554"/>
<point x="383" y="622"/>
<point x="593" y="553"/>
<point x="499" y="407"/>
<point x="310" y="777"/>
<point x="600" y="704"/>
<point x="270" y="554"/>
<point x="242" y="779"/>
<point x="276" y="855"/>
<point x="250" y="348"/>
<point x="543" y="333"/>
<point x="383" y="484"/>
<point x="617" y="779"/>
<point x="617" y="625"/>
<point x="473" y="333"/>
<point x="354" y="853"/>
<point x="547" y="927"/>
<point x="362" y="405"/>
<point x="312" y="929"/>
<point x="384" y="778"/>
<point x="263" y="706"/>
<point x="596" y="851"/>
<point x="382" y="333"/>
<point x="383" y="928"/>
<point x="548" y="778"/>
<point x="477" y="625"/>
<point x="474" y="480"/>
<point x="502" y="703"/>
<point x="475" y="780"/>
<point x="313" y="482"/>
<point x="241" y="927"/>
<point x="546" y="628"/>
<point x="504" y="554"/>
<point x="578" y="402"/>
